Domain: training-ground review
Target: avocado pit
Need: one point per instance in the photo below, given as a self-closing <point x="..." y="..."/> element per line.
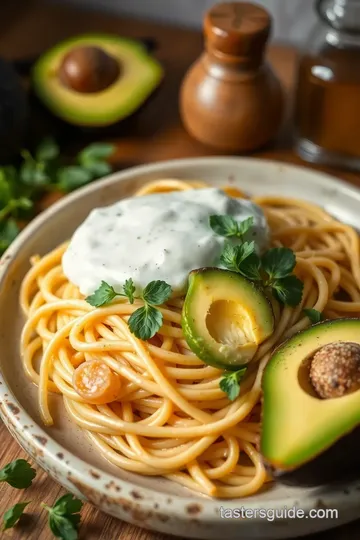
<point x="88" y="70"/>
<point x="335" y="369"/>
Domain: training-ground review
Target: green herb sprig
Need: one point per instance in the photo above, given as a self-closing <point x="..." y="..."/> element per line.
<point x="146" y="320"/>
<point x="278" y="264"/>
<point x="64" y="517"/>
<point x="13" y="514"/>
<point x="90" y="164"/>
<point x="226" y="225"/>
<point x="40" y="173"/>
<point x="18" y="474"/>
<point x="274" y="270"/>
<point x="230" y="383"/>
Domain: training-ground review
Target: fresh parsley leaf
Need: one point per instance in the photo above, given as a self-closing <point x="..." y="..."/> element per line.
<point x="64" y="517"/>
<point x="92" y="159"/>
<point x="244" y="226"/>
<point x="68" y="504"/>
<point x="244" y="251"/>
<point x="314" y="315"/>
<point x="12" y="208"/>
<point x="224" y="225"/>
<point x="47" y="150"/>
<point x="228" y="258"/>
<point x="230" y="383"/>
<point x="129" y="290"/>
<point x="103" y="295"/>
<point x="24" y="203"/>
<point x="233" y="256"/>
<point x="156" y="292"/>
<point x="145" y="322"/>
<point x="288" y="290"/>
<point x="250" y="267"/>
<point x="33" y="174"/>
<point x="19" y="474"/>
<point x="96" y="152"/>
<point x="98" y="168"/>
<point x="13" y="514"/>
<point x="73" y="177"/>
<point x="62" y="527"/>
<point x="278" y="262"/>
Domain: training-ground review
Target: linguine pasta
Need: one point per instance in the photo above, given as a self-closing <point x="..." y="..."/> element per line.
<point x="171" y="418"/>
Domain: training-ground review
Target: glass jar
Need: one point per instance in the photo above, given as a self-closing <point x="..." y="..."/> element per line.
<point x="327" y="102"/>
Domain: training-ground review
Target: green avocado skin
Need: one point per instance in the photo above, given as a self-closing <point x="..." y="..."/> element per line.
<point x="197" y="342"/>
<point x="14" y="112"/>
<point x="339" y="461"/>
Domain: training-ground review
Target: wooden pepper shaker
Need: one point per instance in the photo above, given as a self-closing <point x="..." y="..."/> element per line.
<point x="230" y="98"/>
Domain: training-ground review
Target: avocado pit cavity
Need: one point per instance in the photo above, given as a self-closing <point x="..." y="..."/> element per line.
<point x="335" y="369"/>
<point x="88" y="70"/>
<point x="225" y="318"/>
<point x="230" y="326"/>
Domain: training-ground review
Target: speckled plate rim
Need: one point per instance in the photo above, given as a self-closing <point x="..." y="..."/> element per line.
<point x="119" y="497"/>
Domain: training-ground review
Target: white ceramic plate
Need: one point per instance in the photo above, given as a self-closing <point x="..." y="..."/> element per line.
<point x="64" y="452"/>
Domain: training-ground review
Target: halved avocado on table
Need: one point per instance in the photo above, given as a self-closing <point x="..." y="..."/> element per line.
<point x="96" y="79"/>
<point x="311" y="405"/>
<point x="225" y="317"/>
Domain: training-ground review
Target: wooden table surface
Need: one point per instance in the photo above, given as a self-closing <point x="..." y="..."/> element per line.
<point x="26" y="28"/>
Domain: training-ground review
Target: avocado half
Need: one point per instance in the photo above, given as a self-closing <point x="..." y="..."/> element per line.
<point x="139" y="75"/>
<point x="305" y="439"/>
<point x="225" y="317"/>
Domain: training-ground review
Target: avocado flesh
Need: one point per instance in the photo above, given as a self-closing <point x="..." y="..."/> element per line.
<point x="225" y="317"/>
<point x="140" y="74"/>
<point x="306" y="439"/>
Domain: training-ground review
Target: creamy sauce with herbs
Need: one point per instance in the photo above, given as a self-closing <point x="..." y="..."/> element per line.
<point x="162" y="236"/>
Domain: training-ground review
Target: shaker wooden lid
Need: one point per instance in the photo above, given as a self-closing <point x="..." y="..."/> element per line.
<point x="237" y="28"/>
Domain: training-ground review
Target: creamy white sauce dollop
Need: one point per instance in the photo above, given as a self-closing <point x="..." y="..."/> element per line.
<point x="162" y="236"/>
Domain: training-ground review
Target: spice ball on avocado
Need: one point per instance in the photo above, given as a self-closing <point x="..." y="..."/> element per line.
<point x="335" y="369"/>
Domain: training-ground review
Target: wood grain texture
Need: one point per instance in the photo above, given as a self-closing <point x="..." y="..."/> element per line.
<point x="155" y="134"/>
